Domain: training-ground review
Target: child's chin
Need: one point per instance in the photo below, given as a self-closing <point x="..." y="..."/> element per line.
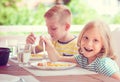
<point x="87" y="54"/>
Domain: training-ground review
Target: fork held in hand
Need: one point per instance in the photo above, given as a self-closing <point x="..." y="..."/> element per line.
<point x="44" y="47"/>
<point x="44" y="60"/>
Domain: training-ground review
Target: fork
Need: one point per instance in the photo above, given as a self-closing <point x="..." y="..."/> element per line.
<point x="44" y="47"/>
<point x="44" y="52"/>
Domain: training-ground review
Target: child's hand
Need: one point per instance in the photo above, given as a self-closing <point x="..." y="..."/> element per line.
<point x="31" y="39"/>
<point x="48" y="42"/>
<point x="51" y="51"/>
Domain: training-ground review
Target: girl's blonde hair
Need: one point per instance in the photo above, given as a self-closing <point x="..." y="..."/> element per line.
<point x="104" y="31"/>
<point x="61" y="12"/>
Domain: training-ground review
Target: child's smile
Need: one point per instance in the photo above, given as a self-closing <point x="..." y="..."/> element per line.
<point x="88" y="50"/>
<point x="91" y="43"/>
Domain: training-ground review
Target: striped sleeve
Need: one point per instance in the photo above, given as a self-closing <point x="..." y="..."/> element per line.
<point x="78" y="58"/>
<point x="82" y="61"/>
<point x="107" y="67"/>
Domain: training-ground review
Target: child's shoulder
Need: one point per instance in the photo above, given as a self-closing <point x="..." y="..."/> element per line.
<point x="106" y="66"/>
<point x="106" y="61"/>
<point x="73" y="41"/>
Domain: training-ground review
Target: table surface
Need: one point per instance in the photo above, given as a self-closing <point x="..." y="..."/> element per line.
<point x="14" y="69"/>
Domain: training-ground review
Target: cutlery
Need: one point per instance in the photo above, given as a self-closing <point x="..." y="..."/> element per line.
<point x="33" y="46"/>
<point x="44" y="52"/>
<point x="44" y="47"/>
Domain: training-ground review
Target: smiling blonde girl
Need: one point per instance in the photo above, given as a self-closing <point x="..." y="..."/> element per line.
<point x="95" y="50"/>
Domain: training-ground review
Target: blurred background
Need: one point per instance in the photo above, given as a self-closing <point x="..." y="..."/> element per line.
<point x="30" y="12"/>
<point x="20" y="17"/>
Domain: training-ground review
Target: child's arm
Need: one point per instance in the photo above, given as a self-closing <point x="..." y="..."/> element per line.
<point x="108" y="67"/>
<point x="53" y="54"/>
<point x="116" y="76"/>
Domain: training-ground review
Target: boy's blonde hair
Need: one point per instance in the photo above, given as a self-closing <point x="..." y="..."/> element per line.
<point x="61" y="12"/>
<point x="104" y="31"/>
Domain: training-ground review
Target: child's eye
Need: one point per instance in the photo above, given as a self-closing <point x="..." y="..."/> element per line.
<point x="53" y="29"/>
<point x="95" y="40"/>
<point x="85" y="38"/>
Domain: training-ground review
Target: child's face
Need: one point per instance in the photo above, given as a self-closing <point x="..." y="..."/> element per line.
<point x="91" y="43"/>
<point x="55" y="29"/>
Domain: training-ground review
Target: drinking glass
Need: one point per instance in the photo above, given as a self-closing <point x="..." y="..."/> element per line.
<point x="24" y="53"/>
<point x="12" y="45"/>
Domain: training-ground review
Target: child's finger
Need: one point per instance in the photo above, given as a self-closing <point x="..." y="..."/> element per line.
<point x="31" y="39"/>
<point x="32" y="35"/>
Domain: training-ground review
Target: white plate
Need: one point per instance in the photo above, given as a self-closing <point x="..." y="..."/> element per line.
<point x="53" y="65"/>
<point x="8" y="78"/>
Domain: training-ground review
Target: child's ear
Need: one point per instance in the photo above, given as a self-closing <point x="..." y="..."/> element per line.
<point x="67" y="26"/>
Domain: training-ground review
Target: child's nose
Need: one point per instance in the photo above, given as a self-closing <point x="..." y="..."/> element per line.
<point x="90" y="43"/>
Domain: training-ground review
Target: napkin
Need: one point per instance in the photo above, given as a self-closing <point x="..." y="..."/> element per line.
<point x="8" y="78"/>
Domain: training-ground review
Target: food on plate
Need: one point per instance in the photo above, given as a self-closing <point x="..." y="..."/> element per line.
<point x="55" y="64"/>
<point x="36" y="55"/>
<point x="39" y="55"/>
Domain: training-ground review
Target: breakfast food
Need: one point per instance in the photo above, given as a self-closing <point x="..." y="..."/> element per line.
<point x="55" y="64"/>
<point x="36" y="56"/>
<point x="40" y="55"/>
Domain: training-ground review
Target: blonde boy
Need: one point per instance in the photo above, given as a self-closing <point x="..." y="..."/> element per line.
<point x="58" y="22"/>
